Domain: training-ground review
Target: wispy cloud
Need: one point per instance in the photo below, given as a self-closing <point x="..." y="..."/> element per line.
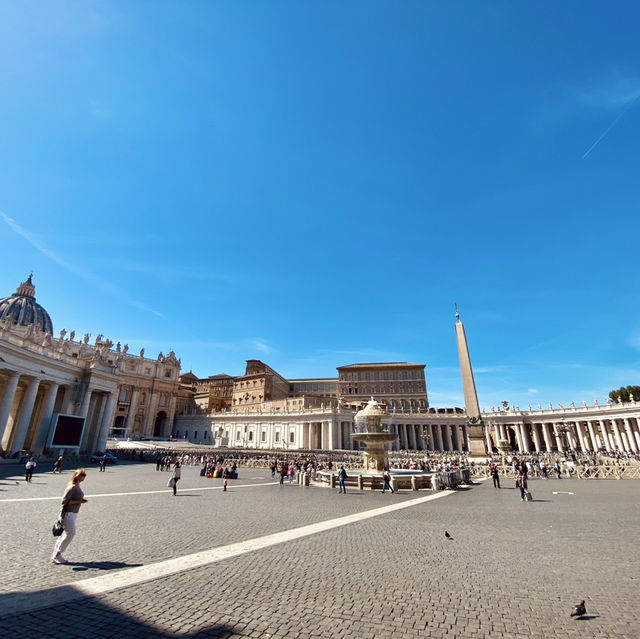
<point x="261" y="345"/>
<point x="168" y="272"/>
<point x="611" y="92"/>
<point x="533" y="391"/>
<point x="617" y="92"/>
<point x="104" y="285"/>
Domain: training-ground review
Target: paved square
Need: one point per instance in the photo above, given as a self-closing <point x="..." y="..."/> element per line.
<point x="270" y="561"/>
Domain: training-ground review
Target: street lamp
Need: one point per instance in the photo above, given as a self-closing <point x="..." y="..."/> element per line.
<point x="426" y="437"/>
<point x="563" y="429"/>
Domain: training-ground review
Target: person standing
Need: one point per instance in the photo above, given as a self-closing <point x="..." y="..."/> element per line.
<point x="558" y="470"/>
<point x="495" y="475"/>
<point x="342" y="475"/>
<point x="521" y="480"/>
<point x="386" y="481"/>
<point x="57" y="467"/>
<point x="28" y="469"/>
<point x="175" y="476"/>
<point x="103" y="464"/>
<point x="72" y="499"/>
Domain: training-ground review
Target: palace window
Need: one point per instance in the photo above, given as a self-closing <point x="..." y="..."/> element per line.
<point x="123" y="395"/>
<point x="292" y="437"/>
<point x="263" y="436"/>
<point x="277" y="436"/>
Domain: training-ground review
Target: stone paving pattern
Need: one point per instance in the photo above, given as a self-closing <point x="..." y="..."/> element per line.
<point x="513" y="569"/>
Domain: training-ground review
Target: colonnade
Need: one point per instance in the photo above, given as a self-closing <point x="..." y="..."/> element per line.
<point x="324" y="434"/>
<point x="28" y="403"/>
<point x="429" y="436"/>
<point x="587" y="435"/>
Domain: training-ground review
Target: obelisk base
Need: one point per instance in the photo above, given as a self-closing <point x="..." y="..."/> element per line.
<point x="476" y="440"/>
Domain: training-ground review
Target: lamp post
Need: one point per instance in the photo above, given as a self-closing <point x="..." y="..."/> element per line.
<point x="563" y="429"/>
<point x="426" y="436"/>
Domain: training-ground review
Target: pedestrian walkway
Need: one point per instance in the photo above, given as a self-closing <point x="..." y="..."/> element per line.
<point x="264" y="560"/>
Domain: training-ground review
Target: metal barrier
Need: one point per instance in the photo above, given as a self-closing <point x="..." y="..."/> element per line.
<point x="449" y="479"/>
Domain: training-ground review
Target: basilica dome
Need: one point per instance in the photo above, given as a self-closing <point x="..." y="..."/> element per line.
<point x="21" y="308"/>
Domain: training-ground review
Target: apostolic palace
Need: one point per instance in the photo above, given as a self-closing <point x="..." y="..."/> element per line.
<point x="54" y="389"/>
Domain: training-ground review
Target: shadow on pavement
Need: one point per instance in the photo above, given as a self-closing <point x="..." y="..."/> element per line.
<point x="100" y="565"/>
<point x="64" y="613"/>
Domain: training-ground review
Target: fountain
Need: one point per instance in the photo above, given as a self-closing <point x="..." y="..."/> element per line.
<point x="369" y="432"/>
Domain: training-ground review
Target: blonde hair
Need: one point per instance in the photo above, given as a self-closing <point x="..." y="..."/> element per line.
<point x="78" y="473"/>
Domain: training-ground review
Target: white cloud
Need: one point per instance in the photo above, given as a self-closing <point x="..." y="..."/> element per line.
<point x="533" y="391"/>
<point x="615" y="91"/>
<point x="261" y="345"/>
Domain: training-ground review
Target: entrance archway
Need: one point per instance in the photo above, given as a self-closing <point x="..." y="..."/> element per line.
<point x="158" y="426"/>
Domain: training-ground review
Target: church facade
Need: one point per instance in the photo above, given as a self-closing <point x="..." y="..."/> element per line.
<point x="41" y="377"/>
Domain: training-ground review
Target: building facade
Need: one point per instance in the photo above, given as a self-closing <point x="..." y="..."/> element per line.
<point x="398" y="385"/>
<point x="41" y="376"/>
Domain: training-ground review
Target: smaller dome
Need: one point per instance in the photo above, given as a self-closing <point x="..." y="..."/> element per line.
<point x="22" y="309"/>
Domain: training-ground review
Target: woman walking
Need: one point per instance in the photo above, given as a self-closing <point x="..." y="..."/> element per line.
<point x="175" y="476"/>
<point x="72" y="499"/>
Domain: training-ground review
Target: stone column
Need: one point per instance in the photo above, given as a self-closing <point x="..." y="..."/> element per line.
<point x="149" y="422"/>
<point x="45" y="423"/>
<point x="625" y="441"/>
<point x="5" y="407"/>
<point x="516" y="428"/>
<point x="581" y="437"/>
<point x="525" y="438"/>
<point x="571" y="438"/>
<point x="455" y="437"/>
<point x="634" y="437"/>
<point x="107" y="421"/>
<point x="26" y="412"/>
<point x="438" y="436"/>
<point x="131" y="414"/>
<point x="595" y="441"/>
<point x="556" y="434"/>
<point x="605" y="434"/>
<point x="616" y="432"/>
<point x="536" y="438"/>
<point x="413" y="444"/>
<point x="447" y="437"/>
<point x="487" y="436"/>
<point x="546" y="431"/>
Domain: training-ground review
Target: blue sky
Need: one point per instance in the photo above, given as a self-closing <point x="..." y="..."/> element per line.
<point x="316" y="184"/>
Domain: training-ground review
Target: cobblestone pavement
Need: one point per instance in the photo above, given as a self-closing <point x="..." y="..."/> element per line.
<point x="513" y="569"/>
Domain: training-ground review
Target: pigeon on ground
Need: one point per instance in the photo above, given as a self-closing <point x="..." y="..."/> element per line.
<point x="447" y="535"/>
<point x="579" y="610"/>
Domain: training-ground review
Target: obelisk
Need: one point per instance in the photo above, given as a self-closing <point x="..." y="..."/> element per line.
<point x="475" y="427"/>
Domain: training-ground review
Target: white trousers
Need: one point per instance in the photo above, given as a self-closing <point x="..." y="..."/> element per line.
<point x="69" y="524"/>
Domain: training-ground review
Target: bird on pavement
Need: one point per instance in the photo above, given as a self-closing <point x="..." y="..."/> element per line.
<point x="579" y="610"/>
<point x="447" y="535"/>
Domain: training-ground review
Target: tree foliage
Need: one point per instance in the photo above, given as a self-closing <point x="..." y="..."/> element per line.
<point x="625" y="394"/>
